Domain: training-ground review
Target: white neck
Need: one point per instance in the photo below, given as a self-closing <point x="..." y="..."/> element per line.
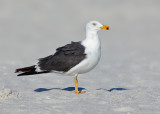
<point x="91" y="34"/>
<point x="92" y="40"/>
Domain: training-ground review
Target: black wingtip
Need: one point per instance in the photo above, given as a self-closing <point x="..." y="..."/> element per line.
<point x="32" y="73"/>
<point x="20" y="74"/>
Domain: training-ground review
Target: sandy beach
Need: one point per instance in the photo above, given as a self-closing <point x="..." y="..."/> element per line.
<point x="126" y="80"/>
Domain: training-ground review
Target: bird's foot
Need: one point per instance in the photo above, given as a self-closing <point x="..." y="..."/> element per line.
<point x="77" y="92"/>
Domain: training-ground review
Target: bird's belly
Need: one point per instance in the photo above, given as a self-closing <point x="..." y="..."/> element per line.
<point x="91" y="61"/>
<point x="86" y="65"/>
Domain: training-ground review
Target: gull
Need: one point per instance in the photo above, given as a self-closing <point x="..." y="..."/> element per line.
<point x="72" y="59"/>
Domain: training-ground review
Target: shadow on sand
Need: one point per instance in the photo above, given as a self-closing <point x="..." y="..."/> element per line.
<point x="65" y="89"/>
<point x="113" y="89"/>
<point x="80" y="89"/>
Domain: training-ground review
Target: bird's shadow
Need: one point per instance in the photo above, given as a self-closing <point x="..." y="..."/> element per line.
<point x="113" y="89"/>
<point x="80" y="89"/>
<point x="65" y="89"/>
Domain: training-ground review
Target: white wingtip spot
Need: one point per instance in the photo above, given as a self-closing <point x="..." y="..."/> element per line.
<point x="37" y="67"/>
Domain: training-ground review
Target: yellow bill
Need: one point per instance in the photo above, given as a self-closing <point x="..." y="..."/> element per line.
<point x="105" y="27"/>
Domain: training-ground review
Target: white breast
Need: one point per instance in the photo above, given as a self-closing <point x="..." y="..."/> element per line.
<point x="93" y="52"/>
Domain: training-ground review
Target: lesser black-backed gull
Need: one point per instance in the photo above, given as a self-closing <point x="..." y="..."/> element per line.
<point x="71" y="59"/>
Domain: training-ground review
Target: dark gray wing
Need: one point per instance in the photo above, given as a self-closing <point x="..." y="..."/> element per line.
<point x="64" y="59"/>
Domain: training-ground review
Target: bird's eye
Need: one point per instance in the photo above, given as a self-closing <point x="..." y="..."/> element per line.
<point x="94" y="24"/>
<point x="107" y="28"/>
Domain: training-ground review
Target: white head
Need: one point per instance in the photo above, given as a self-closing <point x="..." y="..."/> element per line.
<point x="95" y="26"/>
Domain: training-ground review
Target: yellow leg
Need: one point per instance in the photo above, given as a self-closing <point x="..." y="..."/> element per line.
<point x="76" y="86"/>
